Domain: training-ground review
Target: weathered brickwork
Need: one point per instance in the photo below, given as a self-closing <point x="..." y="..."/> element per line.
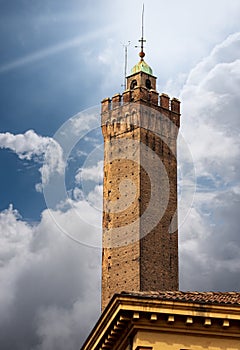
<point x="140" y="238"/>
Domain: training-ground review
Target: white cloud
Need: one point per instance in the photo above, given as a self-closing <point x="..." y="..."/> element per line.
<point x="50" y="279"/>
<point x="59" y="327"/>
<point x="49" y="270"/>
<point x="14" y="243"/>
<point x="95" y="198"/>
<point x="210" y="243"/>
<point x="210" y="105"/>
<point x="93" y="173"/>
<point x="31" y="146"/>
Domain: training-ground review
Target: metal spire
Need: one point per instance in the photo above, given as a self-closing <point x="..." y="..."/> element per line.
<point x="142" y="66"/>
<point x="142" y="41"/>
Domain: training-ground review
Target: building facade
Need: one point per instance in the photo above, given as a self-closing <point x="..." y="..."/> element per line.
<point x="168" y="321"/>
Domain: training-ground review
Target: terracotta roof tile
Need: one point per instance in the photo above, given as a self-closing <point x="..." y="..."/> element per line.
<point x="198" y="297"/>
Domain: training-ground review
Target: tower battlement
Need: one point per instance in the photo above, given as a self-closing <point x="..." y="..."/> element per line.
<point x="142" y="108"/>
<point x="139" y="93"/>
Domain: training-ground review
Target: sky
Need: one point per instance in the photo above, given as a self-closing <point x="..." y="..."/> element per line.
<point x="58" y="60"/>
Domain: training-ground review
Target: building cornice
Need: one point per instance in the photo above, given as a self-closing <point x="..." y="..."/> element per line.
<point x="126" y="314"/>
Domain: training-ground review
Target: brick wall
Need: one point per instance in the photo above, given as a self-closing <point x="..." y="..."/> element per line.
<point x="140" y="249"/>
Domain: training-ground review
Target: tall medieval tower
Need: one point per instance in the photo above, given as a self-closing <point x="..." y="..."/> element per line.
<point x="140" y="236"/>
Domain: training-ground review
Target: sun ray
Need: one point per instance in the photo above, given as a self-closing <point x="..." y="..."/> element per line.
<point x="52" y="50"/>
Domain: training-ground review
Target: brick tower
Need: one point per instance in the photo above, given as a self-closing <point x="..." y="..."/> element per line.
<point x="140" y="237"/>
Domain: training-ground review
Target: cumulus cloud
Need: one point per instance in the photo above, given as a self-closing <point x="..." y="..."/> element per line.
<point x="49" y="283"/>
<point x="93" y="173"/>
<point x="50" y="271"/>
<point x="210" y="241"/>
<point x="211" y="111"/>
<point x="15" y="239"/>
<point x="31" y="146"/>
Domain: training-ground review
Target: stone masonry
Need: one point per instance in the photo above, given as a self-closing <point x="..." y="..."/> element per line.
<point x="140" y="236"/>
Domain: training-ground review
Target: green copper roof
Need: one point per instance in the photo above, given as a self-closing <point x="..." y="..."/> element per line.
<point x="141" y="66"/>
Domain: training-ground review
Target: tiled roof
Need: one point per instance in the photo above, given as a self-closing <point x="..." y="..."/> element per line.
<point x="196" y="297"/>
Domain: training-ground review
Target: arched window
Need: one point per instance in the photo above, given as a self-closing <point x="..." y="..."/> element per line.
<point x="148" y="84"/>
<point x="133" y="84"/>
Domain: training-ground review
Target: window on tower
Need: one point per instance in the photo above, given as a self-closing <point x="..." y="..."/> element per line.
<point x="133" y="84"/>
<point x="148" y="84"/>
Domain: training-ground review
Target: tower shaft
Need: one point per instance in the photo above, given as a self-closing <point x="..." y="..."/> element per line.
<point x="140" y="236"/>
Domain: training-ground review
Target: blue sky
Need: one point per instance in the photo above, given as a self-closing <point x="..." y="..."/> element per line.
<point x="59" y="58"/>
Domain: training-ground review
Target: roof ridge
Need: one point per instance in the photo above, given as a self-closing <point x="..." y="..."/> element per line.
<point x="195" y="296"/>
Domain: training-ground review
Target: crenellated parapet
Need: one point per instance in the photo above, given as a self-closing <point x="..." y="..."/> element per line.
<point x="141" y="94"/>
<point x="141" y="107"/>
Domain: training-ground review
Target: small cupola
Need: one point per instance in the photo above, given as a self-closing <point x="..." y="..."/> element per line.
<point x="142" y="66"/>
<point x="141" y="75"/>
